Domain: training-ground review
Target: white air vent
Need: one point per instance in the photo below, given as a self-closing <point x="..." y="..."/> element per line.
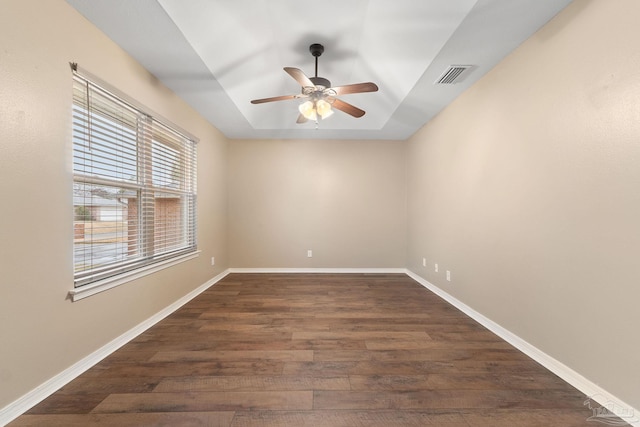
<point x="452" y="74"/>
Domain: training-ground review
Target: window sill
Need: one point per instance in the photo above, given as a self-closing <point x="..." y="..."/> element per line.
<point x="111" y="282"/>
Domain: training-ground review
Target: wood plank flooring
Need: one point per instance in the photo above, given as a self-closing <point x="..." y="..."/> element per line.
<point x="315" y="350"/>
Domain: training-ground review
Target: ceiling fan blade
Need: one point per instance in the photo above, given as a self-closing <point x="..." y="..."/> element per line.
<point x="355" y="88"/>
<point x="275" y="98"/>
<point x="301" y="119"/>
<point x="347" y="108"/>
<point x="299" y="76"/>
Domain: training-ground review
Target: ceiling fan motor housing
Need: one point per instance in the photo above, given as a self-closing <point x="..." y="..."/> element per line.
<point x="320" y="81"/>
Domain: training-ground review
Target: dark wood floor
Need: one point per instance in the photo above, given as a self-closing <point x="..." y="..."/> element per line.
<point x="315" y="350"/>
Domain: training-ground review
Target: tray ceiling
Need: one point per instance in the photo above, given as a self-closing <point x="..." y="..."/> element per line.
<point x="219" y="54"/>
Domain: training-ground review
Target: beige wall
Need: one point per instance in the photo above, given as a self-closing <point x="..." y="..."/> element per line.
<point x="42" y="333"/>
<point x="527" y="188"/>
<point x="344" y="200"/>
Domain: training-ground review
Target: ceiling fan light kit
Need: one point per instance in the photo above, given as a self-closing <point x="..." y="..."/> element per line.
<point x="323" y="108"/>
<point x="308" y="110"/>
<point x="321" y="97"/>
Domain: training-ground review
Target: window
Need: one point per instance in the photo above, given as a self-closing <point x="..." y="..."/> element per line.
<point x="134" y="185"/>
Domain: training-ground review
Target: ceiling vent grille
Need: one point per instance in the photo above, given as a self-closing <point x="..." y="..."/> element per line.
<point x="452" y="74"/>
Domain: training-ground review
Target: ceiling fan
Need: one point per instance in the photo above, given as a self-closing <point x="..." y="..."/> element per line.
<point x="321" y="97"/>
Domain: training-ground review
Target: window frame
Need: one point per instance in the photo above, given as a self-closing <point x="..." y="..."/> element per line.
<point x="174" y="147"/>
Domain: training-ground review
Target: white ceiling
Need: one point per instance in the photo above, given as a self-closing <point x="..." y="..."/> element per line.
<point x="218" y="55"/>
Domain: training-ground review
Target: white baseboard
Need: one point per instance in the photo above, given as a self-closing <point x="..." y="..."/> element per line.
<point x="321" y="270"/>
<point x="595" y="393"/>
<point x="44" y="390"/>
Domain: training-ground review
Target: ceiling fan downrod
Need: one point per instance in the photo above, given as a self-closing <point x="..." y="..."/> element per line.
<point x="316" y="50"/>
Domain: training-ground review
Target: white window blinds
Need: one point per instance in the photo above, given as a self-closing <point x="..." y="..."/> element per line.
<point x="134" y="189"/>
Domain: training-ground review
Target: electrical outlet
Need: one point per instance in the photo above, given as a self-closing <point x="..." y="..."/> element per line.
<point x="213" y="260"/>
<point x="436" y="267"/>
<point x="448" y="276"/>
<point x="309" y="253"/>
<point x="424" y="262"/>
